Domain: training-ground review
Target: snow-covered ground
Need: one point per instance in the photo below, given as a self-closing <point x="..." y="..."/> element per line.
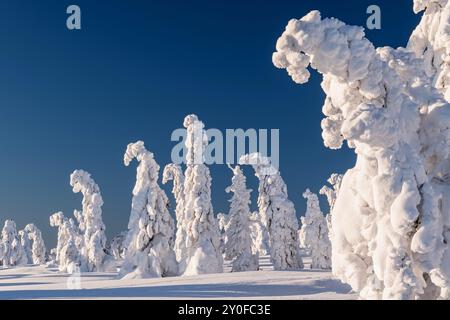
<point x="37" y="282"/>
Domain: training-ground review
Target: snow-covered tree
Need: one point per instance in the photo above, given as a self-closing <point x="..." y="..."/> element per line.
<point x="277" y="213"/>
<point x="314" y="233"/>
<point x="431" y="41"/>
<point x="173" y="172"/>
<point x="26" y="245"/>
<point x="90" y="223"/>
<point x="259" y="234"/>
<point x="150" y="238"/>
<point x="38" y="250"/>
<point x="117" y="246"/>
<point x="13" y="254"/>
<point x="389" y="218"/>
<point x="68" y="254"/>
<point x="331" y="193"/>
<point x="203" y="241"/>
<point x="222" y="220"/>
<point x="238" y="246"/>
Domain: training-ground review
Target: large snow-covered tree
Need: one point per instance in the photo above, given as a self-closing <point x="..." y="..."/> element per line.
<point x="314" y="233"/>
<point x="277" y="213"/>
<point x="238" y="247"/>
<point x="173" y="172"/>
<point x="12" y="252"/>
<point x="389" y="217"/>
<point x="150" y="239"/>
<point x="70" y="244"/>
<point x="203" y="236"/>
<point x="38" y="250"/>
<point x="91" y="223"/>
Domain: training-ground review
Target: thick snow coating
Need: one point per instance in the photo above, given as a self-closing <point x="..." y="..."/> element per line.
<point x="38" y="250"/>
<point x="203" y="241"/>
<point x="11" y="251"/>
<point x="150" y="238"/>
<point x="173" y="172"/>
<point x="314" y="233"/>
<point x="431" y="41"/>
<point x="390" y="219"/>
<point x="90" y="222"/>
<point x="238" y="247"/>
<point x="277" y="213"/>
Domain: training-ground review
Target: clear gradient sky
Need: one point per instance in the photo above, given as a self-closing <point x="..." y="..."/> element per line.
<point x="74" y="99"/>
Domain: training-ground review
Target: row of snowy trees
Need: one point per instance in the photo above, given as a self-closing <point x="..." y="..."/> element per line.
<point x="155" y="245"/>
<point x="21" y="247"/>
<point x="391" y="220"/>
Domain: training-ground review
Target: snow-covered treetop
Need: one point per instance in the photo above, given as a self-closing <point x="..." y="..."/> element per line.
<point x="238" y="182"/>
<point x="136" y="150"/>
<point x="175" y="173"/>
<point x="196" y="140"/>
<point x="373" y="96"/>
<point x="261" y="164"/>
<point x="420" y="5"/>
<point x="9" y="230"/>
<point x="81" y="181"/>
<point x="57" y="219"/>
<point x="331" y="192"/>
<point x="312" y="203"/>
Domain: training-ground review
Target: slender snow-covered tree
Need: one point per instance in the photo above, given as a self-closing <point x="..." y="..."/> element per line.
<point x="238" y="247"/>
<point x="117" y="246"/>
<point x="70" y="243"/>
<point x="388" y="221"/>
<point x="13" y="254"/>
<point x="203" y="236"/>
<point x="259" y="234"/>
<point x="277" y="213"/>
<point x="38" y="250"/>
<point x="314" y="233"/>
<point x="26" y="245"/>
<point x="222" y="220"/>
<point x="331" y="193"/>
<point x="150" y="238"/>
<point x="173" y="172"/>
<point x="90" y="223"/>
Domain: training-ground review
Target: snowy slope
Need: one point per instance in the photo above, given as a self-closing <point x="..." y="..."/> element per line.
<point x="45" y="283"/>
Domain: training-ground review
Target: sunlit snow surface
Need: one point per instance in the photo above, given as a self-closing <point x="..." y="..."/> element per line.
<point x="38" y="282"/>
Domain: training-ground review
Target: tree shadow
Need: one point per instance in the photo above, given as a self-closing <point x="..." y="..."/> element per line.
<point x="187" y="291"/>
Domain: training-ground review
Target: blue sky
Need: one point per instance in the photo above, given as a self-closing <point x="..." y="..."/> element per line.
<point x="74" y="99"/>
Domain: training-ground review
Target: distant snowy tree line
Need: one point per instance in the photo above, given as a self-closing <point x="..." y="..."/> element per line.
<point x="156" y="245"/>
